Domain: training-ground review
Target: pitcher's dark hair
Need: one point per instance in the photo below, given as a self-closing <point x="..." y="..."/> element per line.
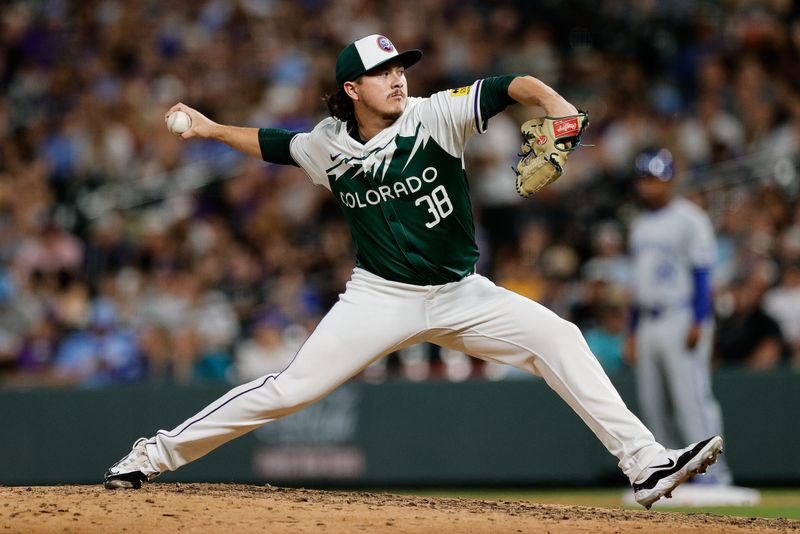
<point x="340" y="106"/>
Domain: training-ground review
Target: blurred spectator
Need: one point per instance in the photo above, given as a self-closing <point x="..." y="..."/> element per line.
<point x="13" y="326"/>
<point x="607" y="339"/>
<point x="609" y="262"/>
<point x="559" y="264"/>
<point x="782" y="303"/>
<point x="188" y="333"/>
<point x="103" y="354"/>
<point x="217" y="327"/>
<point x="107" y="250"/>
<point x="39" y="349"/>
<point x="746" y="335"/>
<point x="267" y="350"/>
<point x="50" y="250"/>
<point x="515" y="276"/>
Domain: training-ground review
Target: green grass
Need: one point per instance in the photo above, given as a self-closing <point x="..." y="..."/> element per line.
<point x="774" y="502"/>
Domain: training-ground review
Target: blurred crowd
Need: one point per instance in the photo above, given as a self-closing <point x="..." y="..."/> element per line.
<point x="128" y="255"/>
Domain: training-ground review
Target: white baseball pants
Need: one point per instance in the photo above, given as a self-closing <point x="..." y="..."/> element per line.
<point x="375" y="317"/>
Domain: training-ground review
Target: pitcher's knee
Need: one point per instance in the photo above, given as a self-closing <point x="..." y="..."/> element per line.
<point x="566" y="337"/>
<point x="291" y="395"/>
<point x="568" y="332"/>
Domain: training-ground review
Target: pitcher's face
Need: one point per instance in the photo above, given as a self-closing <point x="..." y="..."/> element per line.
<point x="382" y="92"/>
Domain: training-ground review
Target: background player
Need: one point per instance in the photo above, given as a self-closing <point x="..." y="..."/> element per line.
<point x="395" y="167"/>
<point x="673" y="249"/>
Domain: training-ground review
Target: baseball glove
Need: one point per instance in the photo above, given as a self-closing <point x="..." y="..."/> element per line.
<point x="546" y="143"/>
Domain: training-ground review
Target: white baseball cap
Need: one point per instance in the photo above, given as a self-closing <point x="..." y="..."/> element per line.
<point x="368" y="53"/>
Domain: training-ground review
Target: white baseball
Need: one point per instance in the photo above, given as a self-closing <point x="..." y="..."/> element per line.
<point x="178" y="122"/>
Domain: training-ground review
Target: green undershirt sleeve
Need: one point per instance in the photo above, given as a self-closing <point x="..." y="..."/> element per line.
<point x="494" y="95"/>
<point x="274" y="143"/>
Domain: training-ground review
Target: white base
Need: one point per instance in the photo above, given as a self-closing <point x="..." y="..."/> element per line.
<point x="697" y="495"/>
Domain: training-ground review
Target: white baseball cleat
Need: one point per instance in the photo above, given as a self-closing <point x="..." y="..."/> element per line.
<point x="674" y="466"/>
<point x="133" y="469"/>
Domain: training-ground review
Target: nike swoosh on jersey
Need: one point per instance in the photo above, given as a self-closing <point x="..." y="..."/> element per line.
<point x="334" y="156"/>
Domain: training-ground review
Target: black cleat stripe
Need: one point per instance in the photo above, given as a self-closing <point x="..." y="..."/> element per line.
<point x="134" y="478"/>
<point x="682" y="461"/>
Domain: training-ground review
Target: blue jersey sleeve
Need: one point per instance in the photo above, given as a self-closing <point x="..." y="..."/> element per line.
<point x="701" y="294"/>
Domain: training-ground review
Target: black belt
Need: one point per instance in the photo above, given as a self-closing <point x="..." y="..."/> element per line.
<point x="658" y="311"/>
<point x="652" y="313"/>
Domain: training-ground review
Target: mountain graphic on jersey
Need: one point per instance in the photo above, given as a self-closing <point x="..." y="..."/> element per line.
<point x="376" y="163"/>
<point x="407" y="204"/>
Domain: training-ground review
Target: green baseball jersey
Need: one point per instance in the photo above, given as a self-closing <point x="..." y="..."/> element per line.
<point x="404" y="193"/>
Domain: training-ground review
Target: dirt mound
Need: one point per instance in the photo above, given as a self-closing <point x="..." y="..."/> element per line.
<point x="239" y="509"/>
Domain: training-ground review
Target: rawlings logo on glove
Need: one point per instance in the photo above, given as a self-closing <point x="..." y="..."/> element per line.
<point x="546" y="143"/>
<point x="563" y="127"/>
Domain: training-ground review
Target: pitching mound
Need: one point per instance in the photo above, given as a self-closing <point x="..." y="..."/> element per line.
<point x="239" y="509"/>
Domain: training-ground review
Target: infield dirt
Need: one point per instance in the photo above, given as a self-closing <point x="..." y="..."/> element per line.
<point x="229" y="508"/>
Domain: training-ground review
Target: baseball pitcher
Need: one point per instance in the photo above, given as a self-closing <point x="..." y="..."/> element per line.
<point x="395" y="165"/>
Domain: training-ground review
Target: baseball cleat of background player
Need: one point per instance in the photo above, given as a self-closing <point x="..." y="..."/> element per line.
<point x="133" y="469"/>
<point x="674" y="466"/>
